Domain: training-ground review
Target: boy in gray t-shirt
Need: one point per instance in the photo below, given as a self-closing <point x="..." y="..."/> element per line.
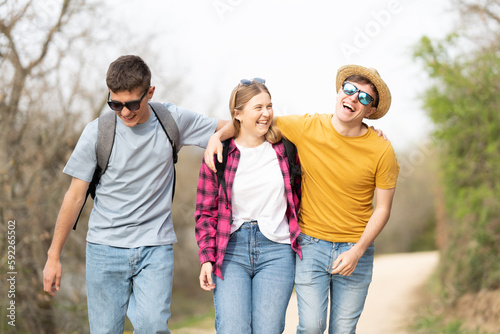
<point x="130" y="236"/>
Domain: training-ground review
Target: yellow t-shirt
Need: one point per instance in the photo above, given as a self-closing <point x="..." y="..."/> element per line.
<point x="339" y="175"/>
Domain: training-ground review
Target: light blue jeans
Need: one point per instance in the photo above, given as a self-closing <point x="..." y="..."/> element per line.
<point x="116" y="275"/>
<point x="314" y="284"/>
<point x="258" y="282"/>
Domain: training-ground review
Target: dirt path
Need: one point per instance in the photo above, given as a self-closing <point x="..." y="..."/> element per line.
<point x="393" y="292"/>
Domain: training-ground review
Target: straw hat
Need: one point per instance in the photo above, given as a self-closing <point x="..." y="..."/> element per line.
<point x="384" y="95"/>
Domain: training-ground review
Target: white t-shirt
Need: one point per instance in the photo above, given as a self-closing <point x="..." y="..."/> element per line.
<point x="259" y="192"/>
<point x="133" y="201"/>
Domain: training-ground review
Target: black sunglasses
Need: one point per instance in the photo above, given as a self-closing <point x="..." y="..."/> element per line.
<point x="363" y="97"/>
<point x="247" y="82"/>
<point x="131" y="105"/>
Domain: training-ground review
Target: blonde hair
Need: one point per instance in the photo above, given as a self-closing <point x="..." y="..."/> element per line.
<point x="240" y="96"/>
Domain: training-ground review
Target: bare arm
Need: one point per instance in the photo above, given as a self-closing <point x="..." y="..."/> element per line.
<point x="375" y="225"/>
<point x="221" y="124"/>
<point x="215" y="144"/>
<point x="70" y="208"/>
<point x="225" y="130"/>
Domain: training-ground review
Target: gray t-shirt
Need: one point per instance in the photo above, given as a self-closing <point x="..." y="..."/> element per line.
<point x="133" y="204"/>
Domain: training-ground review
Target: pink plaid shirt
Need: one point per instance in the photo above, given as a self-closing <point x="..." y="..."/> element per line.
<point x="214" y="211"/>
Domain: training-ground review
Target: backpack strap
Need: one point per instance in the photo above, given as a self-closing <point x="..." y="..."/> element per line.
<point x="295" y="172"/>
<point x="221" y="167"/>
<point x="105" y="139"/>
<point x="169" y="126"/>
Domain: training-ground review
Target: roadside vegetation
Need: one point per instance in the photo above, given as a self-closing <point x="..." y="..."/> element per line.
<point x="463" y="104"/>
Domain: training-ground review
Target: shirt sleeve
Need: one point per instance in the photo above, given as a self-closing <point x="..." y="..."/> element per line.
<point x="291" y="126"/>
<point x="194" y="129"/>
<point x="207" y="198"/>
<point x="83" y="160"/>
<point x="387" y="170"/>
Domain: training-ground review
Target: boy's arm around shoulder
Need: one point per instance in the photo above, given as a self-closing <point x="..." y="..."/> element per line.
<point x="225" y="130"/>
<point x="70" y="208"/>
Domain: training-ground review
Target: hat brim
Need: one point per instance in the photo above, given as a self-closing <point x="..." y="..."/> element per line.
<point x="384" y="95"/>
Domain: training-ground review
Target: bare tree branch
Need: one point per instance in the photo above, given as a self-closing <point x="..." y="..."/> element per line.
<point x="484" y="11"/>
<point x="6" y="29"/>
<point x="48" y="40"/>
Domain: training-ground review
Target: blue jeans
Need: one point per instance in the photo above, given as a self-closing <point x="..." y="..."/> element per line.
<point x="257" y="285"/>
<point x="314" y="283"/>
<point x="116" y="275"/>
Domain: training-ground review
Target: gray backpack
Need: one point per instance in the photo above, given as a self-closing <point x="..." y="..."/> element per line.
<point x="106" y="138"/>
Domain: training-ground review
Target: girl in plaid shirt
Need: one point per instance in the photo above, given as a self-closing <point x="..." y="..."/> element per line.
<point x="247" y="233"/>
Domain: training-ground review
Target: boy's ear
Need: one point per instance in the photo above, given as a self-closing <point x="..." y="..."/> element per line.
<point x="151" y="92"/>
<point x="371" y="111"/>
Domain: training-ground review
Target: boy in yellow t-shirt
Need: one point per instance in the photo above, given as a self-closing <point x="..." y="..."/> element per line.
<point x="344" y="165"/>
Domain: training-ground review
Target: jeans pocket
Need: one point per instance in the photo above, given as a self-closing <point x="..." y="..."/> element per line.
<point x="344" y="247"/>
<point x="304" y="240"/>
<point x="370" y="250"/>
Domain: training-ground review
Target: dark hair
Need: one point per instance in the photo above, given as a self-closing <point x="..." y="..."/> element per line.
<point x="240" y="96"/>
<point x="128" y="73"/>
<point x="364" y="80"/>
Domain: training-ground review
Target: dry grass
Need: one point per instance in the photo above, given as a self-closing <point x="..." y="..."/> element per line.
<point x="480" y="310"/>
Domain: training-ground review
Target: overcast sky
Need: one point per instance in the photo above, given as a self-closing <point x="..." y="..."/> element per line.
<point x="297" y="46"/>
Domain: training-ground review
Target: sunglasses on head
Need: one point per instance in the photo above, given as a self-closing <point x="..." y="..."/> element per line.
<point x="363" y="97"/>
<point x="247" y="82"/>
<point x="131" y="105"/>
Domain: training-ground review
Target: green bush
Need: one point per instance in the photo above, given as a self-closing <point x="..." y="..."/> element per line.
<point x="463" y="102"/>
